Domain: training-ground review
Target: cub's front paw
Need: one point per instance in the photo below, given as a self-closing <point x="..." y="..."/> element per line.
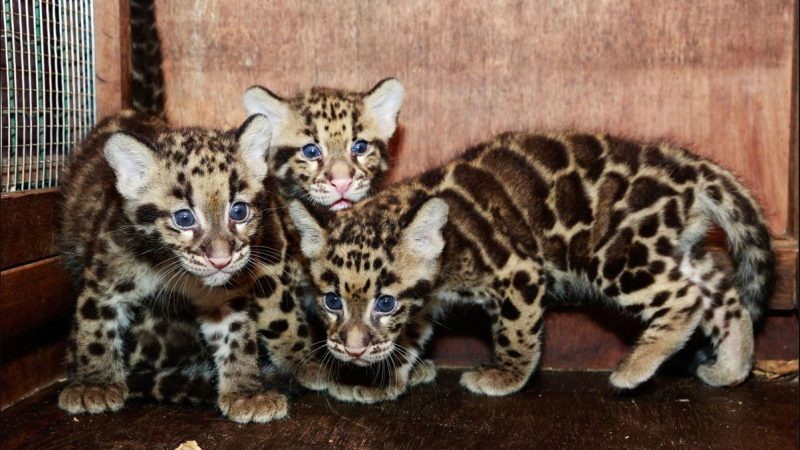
<point x="492" y="380"/>
<point x="423" y="372"/>
<point x="313" y="376"/>
<point x="632" y="372"/>
<point x="254" y="406"/>
<point x="92" y="398"/>
<point x="364" y="394"/>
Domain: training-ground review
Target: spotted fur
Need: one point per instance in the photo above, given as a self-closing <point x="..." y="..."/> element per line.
<point x="165" y="354"/>
<point x="571" y="215"/>
<point x="147" y="77"/>
<point x="122" y="242"/>
<point x="334" y="120"/>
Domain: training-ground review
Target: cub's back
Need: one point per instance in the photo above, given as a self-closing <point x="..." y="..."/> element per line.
<point x="88" y="194"/>
<point x="566" y="196"/>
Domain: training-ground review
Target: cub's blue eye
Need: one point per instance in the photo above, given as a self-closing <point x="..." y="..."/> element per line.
<point x="385" y="304"/>
<point x="183" y="218"/>
<point x="359" y="147"/>
<point x="239" y="211"/>
<point x="312" y="151"/>
<point x="333" y="301"/>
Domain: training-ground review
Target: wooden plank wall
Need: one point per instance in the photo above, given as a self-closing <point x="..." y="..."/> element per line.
<point x="715" y="75"/>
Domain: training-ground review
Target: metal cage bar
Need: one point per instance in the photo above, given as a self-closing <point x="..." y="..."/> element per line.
<point x="48" y="88"/>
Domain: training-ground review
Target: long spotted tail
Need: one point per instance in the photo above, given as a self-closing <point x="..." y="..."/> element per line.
<point x="147" y="76"/>
<point x="725" y="201"/>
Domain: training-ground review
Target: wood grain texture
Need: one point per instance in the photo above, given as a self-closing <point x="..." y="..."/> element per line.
<point x="716" y="75"/>
<point x="794" y="157"/>
<point x="27" y="230"/>
<point x="583" y="338"/>
<point x="31" y="361"/>
<point x="557" y="410"/>
<point x="786" y="270"/>
<point x="125" y="52"/>
<point x="108" y="57"/>
<point x="32" y="295"/>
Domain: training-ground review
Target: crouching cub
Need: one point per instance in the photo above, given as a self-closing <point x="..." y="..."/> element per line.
<point x="147" y="211"/>
<point x="522" y="215"/>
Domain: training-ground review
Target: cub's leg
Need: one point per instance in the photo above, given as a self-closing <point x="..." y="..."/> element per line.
<point x="517" y="325"/>
<point x="423" y="372"/>
<point x="169" y="360"/>
<point x="727" y="325"/>
<point x="284" y="331"/>
<point x="97" y="369"/>
<point x="242" y="395"/>
<point x="730" y="330"/>
<point x="672" y="309"/>
<point x="413" y="342"/>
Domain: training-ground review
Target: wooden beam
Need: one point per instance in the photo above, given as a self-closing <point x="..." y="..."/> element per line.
<point x="125" y="52"/>
<point x="32" y="361"/>
<point x="108" y="57"/>
<point x="27" y="226"/>
<point x="793" y="228"/>
<point x="581" y="338"/>
<point x="33" y="295"/>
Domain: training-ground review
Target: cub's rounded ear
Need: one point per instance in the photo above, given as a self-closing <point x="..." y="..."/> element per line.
<point x="312" y="235"/>
<point x="254" y="138"/>
<point x="260" y="100"/>
<point x="423" y="236"/>
<point x="384" y="102"/>
<point x="133" y="162"/>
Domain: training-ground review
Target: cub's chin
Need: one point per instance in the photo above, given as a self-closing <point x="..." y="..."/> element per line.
<point x="216" y="279"/>
<point x="362" y="363"/>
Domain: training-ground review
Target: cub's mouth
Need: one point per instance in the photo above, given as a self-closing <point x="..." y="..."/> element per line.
<point x="363" y="357"/>
<point x="214" y="272"/>
<point x="341" y="204"/>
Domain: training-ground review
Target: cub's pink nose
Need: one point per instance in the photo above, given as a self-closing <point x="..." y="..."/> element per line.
<point x="219" y="262"/>
<point x="355" y="352"/>
<point x="342" y="184"/>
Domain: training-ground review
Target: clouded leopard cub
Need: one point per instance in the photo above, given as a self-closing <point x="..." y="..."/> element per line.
<point x="147" y="210"/>
<point x="329" y="151"/>
<point x="323" y="139"/>
<point x="522" y="215"/>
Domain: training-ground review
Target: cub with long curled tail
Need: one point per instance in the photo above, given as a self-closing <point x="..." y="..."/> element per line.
<point x="527" y="214"/>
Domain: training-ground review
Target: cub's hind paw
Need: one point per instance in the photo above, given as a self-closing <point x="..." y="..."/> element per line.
<point x="490" y="380"/>
<point x="257" y="407"/>
<point x="720" y="376"/>
<point x="423" y="372"/>
<point x="364" y="394"/>
<point x="92" y="398"/>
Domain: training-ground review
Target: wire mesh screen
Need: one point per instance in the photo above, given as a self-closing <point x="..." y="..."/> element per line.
<point x="48" y="89"/>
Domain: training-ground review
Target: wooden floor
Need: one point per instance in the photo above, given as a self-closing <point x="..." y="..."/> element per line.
<point x="557" y="410"/>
